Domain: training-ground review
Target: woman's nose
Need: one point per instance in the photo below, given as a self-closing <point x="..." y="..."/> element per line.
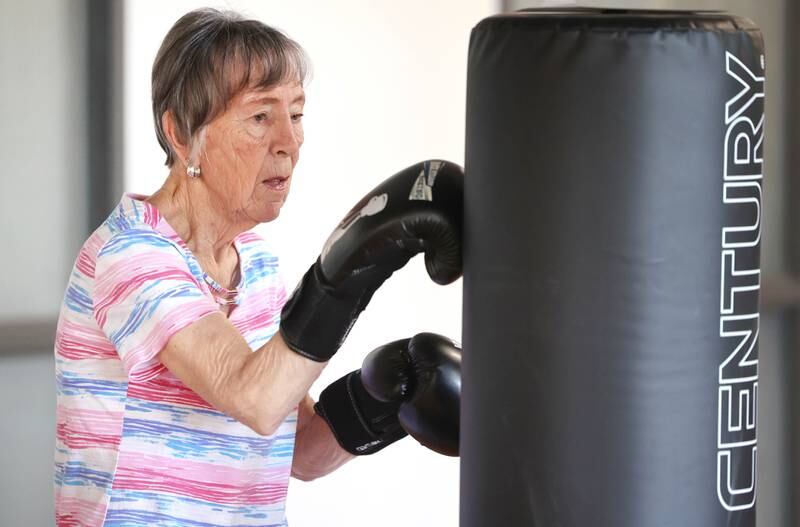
<point x="285" y="140"/>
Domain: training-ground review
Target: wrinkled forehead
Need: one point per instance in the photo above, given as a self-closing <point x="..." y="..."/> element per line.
<point x="291" y="93"/>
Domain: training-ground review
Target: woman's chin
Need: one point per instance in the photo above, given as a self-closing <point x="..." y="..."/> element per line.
<point x="268" y="212"/>
<point x="266" y="206"/>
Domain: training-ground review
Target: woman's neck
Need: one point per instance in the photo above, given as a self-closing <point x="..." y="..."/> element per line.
<point x="190" y="210"/>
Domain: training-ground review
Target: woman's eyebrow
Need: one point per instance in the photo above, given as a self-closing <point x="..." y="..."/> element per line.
<point x="266" y="99"/>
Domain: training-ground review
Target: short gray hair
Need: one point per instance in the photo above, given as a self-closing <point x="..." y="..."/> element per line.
<point x="207" y="58"/>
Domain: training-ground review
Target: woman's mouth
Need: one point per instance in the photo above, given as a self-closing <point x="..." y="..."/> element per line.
<point x="277" y="183"/>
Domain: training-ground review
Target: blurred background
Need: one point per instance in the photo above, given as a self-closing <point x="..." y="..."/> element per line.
<point x="388" y="89"/>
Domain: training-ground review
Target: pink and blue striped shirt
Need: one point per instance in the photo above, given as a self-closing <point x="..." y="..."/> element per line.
<point x="134" y="445"/>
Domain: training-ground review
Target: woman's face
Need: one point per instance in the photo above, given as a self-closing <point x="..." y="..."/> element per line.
<point x="251" y="150"/>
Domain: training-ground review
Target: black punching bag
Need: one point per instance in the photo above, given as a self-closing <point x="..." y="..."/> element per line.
<point x="611" y="279"/>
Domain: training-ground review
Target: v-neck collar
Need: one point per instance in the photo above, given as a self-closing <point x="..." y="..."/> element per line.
<point x="147" y="212"/>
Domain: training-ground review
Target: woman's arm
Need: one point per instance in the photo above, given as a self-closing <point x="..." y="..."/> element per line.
<point x="316" y="451"/>
<point x="258" y="389"/>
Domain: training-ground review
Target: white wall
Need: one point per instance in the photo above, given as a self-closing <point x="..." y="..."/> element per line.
<point x="388" y="90"/>
<point x="42" y="224"/>
<point x="42" y="150"/>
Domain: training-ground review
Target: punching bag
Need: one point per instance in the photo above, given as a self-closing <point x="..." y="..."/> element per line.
<point x="611" y="270"/>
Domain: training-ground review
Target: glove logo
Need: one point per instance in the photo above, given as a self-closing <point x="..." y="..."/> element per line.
<point x="373" y="206"/>
<point x="422" y="189"/>
<point x="369" y="445"/>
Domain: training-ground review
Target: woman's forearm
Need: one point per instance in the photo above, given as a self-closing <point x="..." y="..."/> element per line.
<point x="275" y="379"/>
<point x="258" y="389"/>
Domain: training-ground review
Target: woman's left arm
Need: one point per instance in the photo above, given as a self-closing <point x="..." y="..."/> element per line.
<point x="316" y="451"/>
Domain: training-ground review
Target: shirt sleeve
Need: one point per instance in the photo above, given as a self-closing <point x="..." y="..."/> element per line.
<point x="144" y="293"/>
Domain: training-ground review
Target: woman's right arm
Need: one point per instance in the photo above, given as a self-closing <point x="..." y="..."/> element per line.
<point x="258" y="389"/>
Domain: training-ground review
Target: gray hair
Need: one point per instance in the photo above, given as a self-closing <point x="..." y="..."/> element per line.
<point x="207" y="58"/>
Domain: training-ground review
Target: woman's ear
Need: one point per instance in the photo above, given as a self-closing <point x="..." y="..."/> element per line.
<point x="178" y="145"/>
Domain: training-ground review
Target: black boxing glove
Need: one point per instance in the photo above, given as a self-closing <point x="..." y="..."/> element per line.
<point x="410" y="386"/>
<point x="417" y="210"/>
<point x="425" y="378"/>
<point x="360" y="423"/>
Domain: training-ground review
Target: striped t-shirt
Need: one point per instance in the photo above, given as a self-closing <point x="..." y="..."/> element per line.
<point x="134" y="445"/>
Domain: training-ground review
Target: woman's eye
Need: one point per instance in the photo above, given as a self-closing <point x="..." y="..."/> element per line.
<point x="296" y="117"/>
<point x="260" y="117"/>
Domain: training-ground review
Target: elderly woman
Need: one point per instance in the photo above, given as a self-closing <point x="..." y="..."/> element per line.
<point x="179" y="401"/>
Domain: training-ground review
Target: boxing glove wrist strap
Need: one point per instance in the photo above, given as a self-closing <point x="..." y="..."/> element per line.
<point x="314" y="322"/>
<point x="361" y="424"/>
